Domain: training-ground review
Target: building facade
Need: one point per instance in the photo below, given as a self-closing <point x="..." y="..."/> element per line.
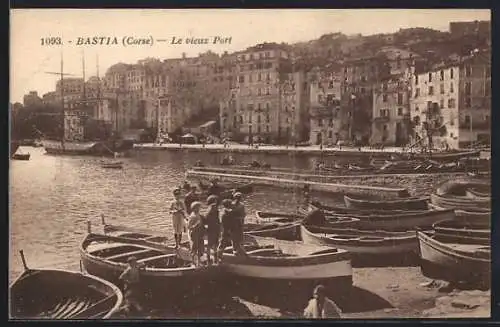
<point x="451" y="106"/>
<point x="325" y="111"/>
<point x="391" y="112"/>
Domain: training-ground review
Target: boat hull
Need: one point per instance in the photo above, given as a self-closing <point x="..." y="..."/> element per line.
<point x="358" y="246"/>
<point x="440" y="261"/>
<point x="460" y="202"/>
<point x="183" y="281"/>
<point x="298" y="275"/>
<point x="290" y="231"/>
<point x="59" y="294"/>
<point x="403" y="204"/>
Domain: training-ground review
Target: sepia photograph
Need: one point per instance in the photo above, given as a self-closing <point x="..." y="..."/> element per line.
<point x="249" y="164"/>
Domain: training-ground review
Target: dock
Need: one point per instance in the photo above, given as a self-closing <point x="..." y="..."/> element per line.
<point x="315" y="186"/>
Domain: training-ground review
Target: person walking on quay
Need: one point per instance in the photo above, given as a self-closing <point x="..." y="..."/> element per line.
<point x="321" y="307"/>
<point x="196" y="232"/>
<point x="130" y="278"/>
<point x="213" y="227"/>
<point x="179" y="215"/>
<point x="228" y="223"/>
<point x="190" y="198"/>
<point x="239" y="221"/>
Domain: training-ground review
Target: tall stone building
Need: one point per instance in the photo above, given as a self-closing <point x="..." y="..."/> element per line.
<point x="326" y="120"/>
<point x="269" y="101"/>
<point x="391" y="112"/>
<point x="451" y="105"/>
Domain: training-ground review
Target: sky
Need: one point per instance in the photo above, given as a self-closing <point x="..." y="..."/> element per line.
<point x="30" y="60"/>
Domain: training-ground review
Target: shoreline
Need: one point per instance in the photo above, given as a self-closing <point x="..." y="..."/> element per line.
<point x="313" y="150"/>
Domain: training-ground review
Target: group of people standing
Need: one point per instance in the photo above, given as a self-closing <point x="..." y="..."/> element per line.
<point x="221" y="225"/>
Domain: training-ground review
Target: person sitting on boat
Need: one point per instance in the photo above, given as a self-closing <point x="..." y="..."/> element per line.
<point x="315" y="217"/>
<point x="130" y="278"/>
<point x="321" y="306"/>
<point x="190" y="198"/>
<point x="213" y="227"/>
<point x="239" y="222"/>
<point x="227" y="226"/>
<point x="196" y="232"/>
<point x="179" y="214"/>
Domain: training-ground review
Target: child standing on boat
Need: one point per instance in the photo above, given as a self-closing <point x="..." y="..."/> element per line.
<point x="130" y="278"/>
<point x="178" y="212"/>
<point x="196" y="232"/>
<point x="213" y="226"/>
<point x="190" y="198"/>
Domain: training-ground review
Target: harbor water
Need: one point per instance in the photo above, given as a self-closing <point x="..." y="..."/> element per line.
<point x="52" y="198"/>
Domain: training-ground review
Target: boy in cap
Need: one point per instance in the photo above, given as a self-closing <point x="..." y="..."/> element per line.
<point x="320" y="306"/>
<point x="196" y="232"/>
<point x="213" y="226"/>
<point x="178" y="212"/>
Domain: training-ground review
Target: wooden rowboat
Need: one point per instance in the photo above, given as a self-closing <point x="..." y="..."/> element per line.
<point x="454" y="262"/>
<point x="340" y="221"/>
<point x="396" y="220"/>
<point x="281" y="231"/>
<point x="62" y="294"/>
<point x="276" y="217"/>
<point x="399" y="204"/>
<point x="459" y="186"/>
<point x="474" y="218"/>
<point x="289" y="269"/>
<point x="460" y="202"/>
<point x="165" y="270"/>
<point x="360" y="241"/>
<point x="458" y="232"/>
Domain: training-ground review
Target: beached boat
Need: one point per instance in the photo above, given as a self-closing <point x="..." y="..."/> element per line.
<point x="290" y="268"/>
<point x="419" y="203"/>
<point x="281" y="231"/>
<point x="21" y="156"/>
<point x="389" y="220"/>
<point x="276" y="217"/>
<point x="454" y="262"/>
<point x="458" y="232"/>
<point x="460" y="202"/>
<point x="360" y="242"/>
<point x="476" y="218"/>
<point x="245" y="188"/>
<point x="165" y="270"/>
<point x="458" y="187"/>
<point x="62" y="294"/>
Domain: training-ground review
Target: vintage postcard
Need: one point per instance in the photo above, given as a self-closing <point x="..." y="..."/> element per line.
<point x="255" y="164"/>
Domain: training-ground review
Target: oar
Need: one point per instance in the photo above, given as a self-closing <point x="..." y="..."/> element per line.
<point x="21" y="252"/>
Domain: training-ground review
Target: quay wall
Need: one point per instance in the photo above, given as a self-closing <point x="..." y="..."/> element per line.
<point x="415" y="184"/>
<point x="335" y="188"/>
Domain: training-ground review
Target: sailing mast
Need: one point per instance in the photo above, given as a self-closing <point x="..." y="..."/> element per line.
<point x="62" y="103"/>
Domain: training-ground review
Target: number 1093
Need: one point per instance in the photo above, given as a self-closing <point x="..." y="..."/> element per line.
<point x="51" y="41"/>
